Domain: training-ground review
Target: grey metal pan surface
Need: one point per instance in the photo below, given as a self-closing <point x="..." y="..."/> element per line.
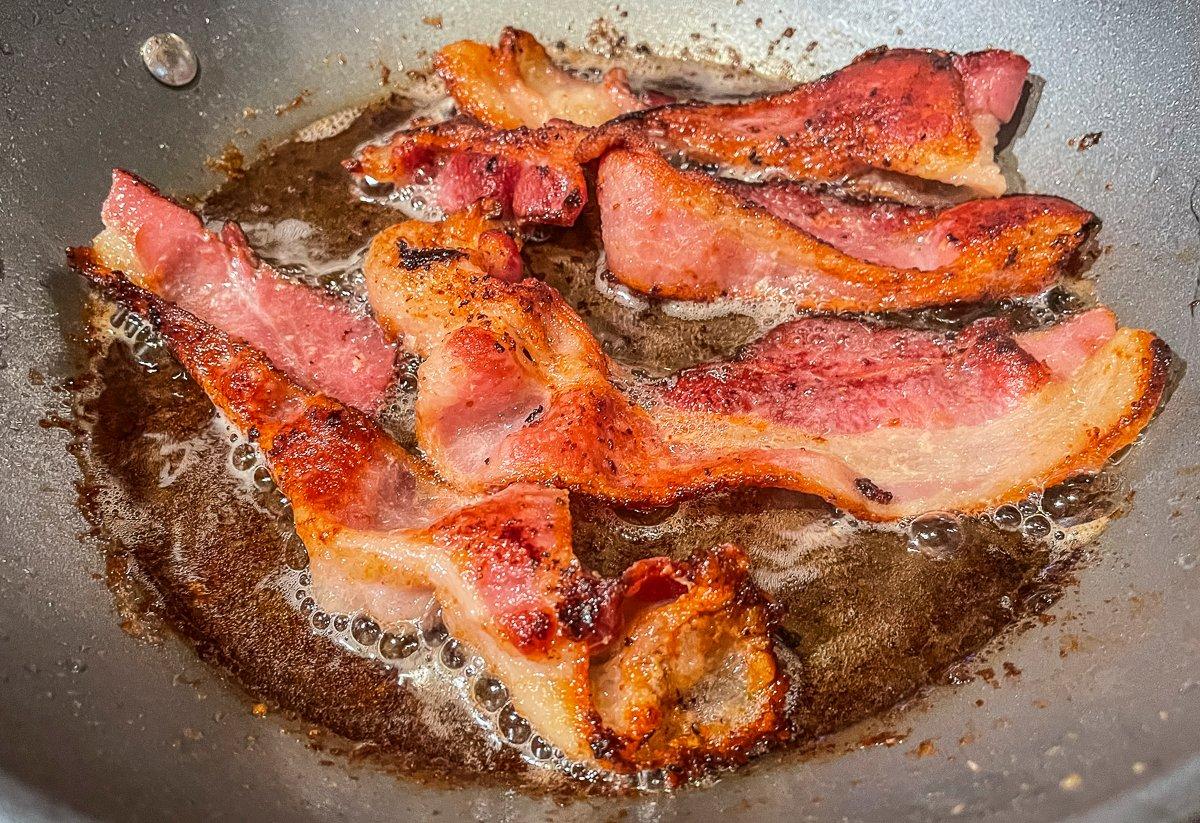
<point x="95" y="725"/>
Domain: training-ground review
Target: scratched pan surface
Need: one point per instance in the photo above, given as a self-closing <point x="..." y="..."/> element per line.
<point x="90" y="721"/>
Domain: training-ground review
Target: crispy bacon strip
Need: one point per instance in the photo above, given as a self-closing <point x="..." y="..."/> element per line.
<point x="618" y="672"/>
<point x="685" y="235"/>
<point x="881" y="423"/>
<point x="517" y="84"/>
<point x="1062" y="400"/>
<point x="928" y="115"/>
<point x="165" y="248"/>
<point x="924" y="238"/>
<point x="531" y="173"/>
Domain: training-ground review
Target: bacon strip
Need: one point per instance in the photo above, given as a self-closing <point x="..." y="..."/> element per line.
<point x="685" y="235"/>
<point x="531" y="173"/>
<point x="901" y="236"/>
<point x="1074" y="394"/>
<point x="929" y="115"/>
<point x="830" y="376"/>
<point x="517" y="84"/>
<point x="166" y="249"/>
<point x="617" y="672"/>
<point x="515" y="388"/>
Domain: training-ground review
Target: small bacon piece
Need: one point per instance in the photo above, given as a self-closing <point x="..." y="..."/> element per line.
<point x="165" y="248"/>
<point x="922" y="114"/>
<point x="883" y="423"/>
<point x="531" y="173"/>
<point x="721" y="617"/>
<point x="685" y="235"/>
<point x="517" y="84"/>
<point x="683" y="650"/>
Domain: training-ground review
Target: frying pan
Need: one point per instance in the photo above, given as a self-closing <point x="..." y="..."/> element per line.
<point x="95" y="725"/>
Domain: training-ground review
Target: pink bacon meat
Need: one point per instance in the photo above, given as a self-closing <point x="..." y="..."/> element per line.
<point x="530" y="174"/>
<point x="833" y="376"/>
<point x="165" y="248"/>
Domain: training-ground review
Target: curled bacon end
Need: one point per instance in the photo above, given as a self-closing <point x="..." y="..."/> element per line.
<point x="516" y="84"/>
<point x="662" y="708"/>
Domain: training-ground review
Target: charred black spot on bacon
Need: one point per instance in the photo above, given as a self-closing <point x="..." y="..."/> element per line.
<point x="869" y="490"/>
<point x="942" y="60"/>
<point x="520" y="536"/>
<point x="531" y="629"/>
<point x="605" y="744"/>
<point x="588" y="608"/>
<point x="422" y="258"/>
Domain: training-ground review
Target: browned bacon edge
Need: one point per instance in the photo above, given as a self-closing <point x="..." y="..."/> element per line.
<point x="516" y="84"/>
<point x="685" y="235"/>
<point x="899" y="235"/>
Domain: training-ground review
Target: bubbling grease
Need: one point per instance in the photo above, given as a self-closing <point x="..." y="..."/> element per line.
<point x="422" y="652"/>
